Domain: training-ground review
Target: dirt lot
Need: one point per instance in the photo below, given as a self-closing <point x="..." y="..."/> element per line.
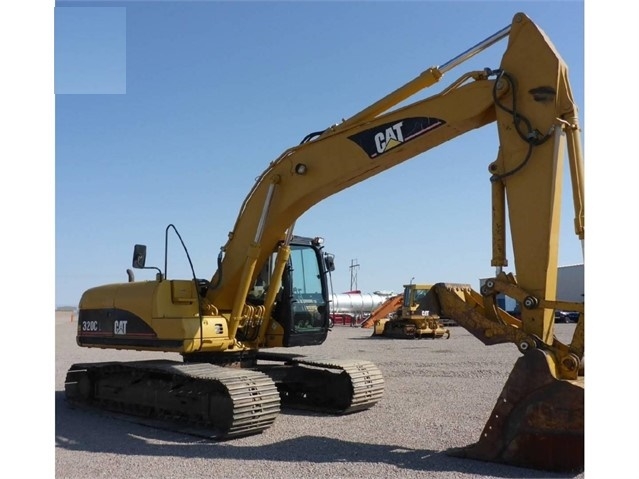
<point x="438" y="394"/>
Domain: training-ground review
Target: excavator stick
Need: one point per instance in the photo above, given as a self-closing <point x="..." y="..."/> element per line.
<point x="537" y="422"/>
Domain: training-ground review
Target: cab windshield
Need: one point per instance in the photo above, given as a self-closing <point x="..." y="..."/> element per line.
<point x="308" y="303"/>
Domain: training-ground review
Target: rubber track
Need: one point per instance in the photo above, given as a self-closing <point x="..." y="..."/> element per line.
<point x="249" y="399"/>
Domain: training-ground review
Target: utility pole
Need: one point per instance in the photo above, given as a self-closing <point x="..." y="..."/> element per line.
<point x="354" y="267"/>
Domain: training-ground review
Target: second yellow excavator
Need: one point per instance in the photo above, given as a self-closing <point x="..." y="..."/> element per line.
<point x="413" y="318"/>
<point x="270" y="288"/>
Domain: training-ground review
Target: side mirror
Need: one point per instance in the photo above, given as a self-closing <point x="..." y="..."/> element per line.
<point x="329" y="261"/>
<point x="139" y="256"/>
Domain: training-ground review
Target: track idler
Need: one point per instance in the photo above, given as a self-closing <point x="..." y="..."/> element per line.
<point x="537" y="422"/>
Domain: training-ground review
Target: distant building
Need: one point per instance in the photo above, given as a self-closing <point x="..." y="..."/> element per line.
<point x="570" y="283"/>
<point x="570" y="287"/>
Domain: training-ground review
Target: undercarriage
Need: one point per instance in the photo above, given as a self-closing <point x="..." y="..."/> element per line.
<point x="219" y="402"/>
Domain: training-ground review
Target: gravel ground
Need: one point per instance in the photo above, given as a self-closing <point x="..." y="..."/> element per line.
<point x="438" y="394"/>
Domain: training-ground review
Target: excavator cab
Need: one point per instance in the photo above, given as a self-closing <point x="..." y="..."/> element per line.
<point x="301" y="307"/>
<point x="414" y="300"/>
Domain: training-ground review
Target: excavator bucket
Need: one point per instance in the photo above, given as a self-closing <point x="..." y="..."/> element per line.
<point x="537" y="422"/>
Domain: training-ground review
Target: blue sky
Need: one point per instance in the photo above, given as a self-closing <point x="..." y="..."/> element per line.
<point x="215" y="90"/>
<point x="90" y="50"/>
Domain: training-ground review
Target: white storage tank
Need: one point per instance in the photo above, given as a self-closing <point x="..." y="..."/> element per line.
<point x="355" y="303"/>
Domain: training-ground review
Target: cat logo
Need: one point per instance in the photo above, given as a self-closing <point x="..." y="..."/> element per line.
<point x="390" y="138"/>
<point x="119" y="327"/>
<point x="384" y="138"/>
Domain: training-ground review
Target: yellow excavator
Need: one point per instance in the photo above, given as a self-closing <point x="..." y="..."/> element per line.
<point x="270" y="287"/>
<point x="413" y="319"/>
